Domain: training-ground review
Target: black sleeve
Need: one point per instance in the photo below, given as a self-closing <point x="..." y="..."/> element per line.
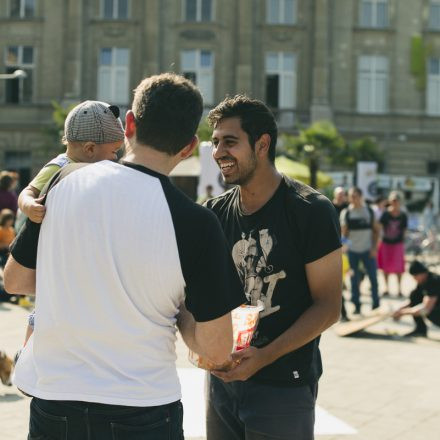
<point x="24" y="247"/>
<point x="324" y="232"/>
<point x="213" y="287"/>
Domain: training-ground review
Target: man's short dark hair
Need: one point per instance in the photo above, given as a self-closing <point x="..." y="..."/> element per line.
<point x="255" y="118"/>
<point x="167" y="110"/>
<point x="417" y="267"/>
<point x="356" y="190"/>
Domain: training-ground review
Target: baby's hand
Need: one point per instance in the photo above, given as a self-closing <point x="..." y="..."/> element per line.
<point x="36" y="210"/>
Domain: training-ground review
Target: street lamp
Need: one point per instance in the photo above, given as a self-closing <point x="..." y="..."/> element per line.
<point x="16" y="74"/>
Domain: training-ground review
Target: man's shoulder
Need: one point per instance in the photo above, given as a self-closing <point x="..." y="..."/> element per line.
<point x="222" y="201"/>
<point x="302" y="196"/>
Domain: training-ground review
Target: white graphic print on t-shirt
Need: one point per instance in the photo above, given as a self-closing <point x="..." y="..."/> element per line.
<point x="250" y="255"/>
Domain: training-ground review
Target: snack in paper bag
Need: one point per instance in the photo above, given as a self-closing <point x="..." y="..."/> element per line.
<point x="244" y="323"/>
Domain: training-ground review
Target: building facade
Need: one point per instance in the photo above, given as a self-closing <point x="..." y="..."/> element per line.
<point x="370" y="66"/>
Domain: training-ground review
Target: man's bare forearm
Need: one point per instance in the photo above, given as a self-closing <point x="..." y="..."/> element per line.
<point x="187" y="326"/>
<point x="211" y="340"/>
<point x="315" y="320"/>
<point x="18" y="279"/>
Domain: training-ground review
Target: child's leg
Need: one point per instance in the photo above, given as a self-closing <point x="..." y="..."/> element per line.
<point x="30" y="327"/>
<point x="29" y="331"/>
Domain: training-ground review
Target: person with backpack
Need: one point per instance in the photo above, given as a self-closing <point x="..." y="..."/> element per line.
<point x="285" y="242"/>
<point x="358" y="224"/>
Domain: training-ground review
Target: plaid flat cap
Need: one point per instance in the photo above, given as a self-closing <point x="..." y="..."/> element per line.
<point x="94" y="121"/>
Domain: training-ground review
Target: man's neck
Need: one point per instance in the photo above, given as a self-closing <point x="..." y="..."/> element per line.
<point x="260" y="189"/>
<point x="150" y="158"/>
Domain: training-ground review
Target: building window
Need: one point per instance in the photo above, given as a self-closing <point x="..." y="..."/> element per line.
<point x="372" y="93"/>
<point x="22" y="8"/>
<point x="373" y="13"/>
<point x="113" y="75"/>
<point x="197" y="10"/>
<point x="19" y="90"/>
<point x="281" y="11"/>
<point x="281" y="80"/>
<point x="198" y="66"/>
<point x="434" y="14"/>
<point x="114" y="9"/>
<point x="433" y="89"/>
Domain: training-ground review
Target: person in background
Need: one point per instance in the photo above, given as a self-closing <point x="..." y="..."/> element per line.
<point x="7" y="234"/>
<point x="429" y="217"/>
<point x="379" y="207"/>
<point x="424" y="300"/>
<point x="339" y="201"/>
<point x="208" y="195"/>
<point x="8" y="198"/>
<point x="391" y="251"/>
<point x="362" y="230"/>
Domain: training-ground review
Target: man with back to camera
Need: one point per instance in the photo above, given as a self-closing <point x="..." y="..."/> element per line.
<point x="101" y="361"/>
<point x="285" y="243"/>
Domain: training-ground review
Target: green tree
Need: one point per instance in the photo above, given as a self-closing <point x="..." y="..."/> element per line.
<point x="320" y="140"/>
<point x="55" y="130"/>
<point x="363" y="149"/>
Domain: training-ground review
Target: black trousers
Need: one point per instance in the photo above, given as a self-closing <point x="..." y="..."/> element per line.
<point x="65" y="420"/>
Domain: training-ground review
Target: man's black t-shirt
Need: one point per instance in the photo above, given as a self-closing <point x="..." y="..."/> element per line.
<point x="431" y="287"/>
<point x="270" y="249"/>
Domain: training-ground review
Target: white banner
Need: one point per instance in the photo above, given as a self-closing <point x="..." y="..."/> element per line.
<point x="367" y="179"/>
<point x="209" y="171"/>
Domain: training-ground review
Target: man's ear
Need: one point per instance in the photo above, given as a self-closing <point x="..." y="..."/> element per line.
<point x="189" y="149"/>
<point x="89" y="149"/>
<point x="262" y="145"/>
<point x="130" y="125"/>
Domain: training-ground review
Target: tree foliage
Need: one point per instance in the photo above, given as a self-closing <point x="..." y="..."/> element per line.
<point x="363" y="149"/>
<point x="322" y="141"/>
<point x="56" y="129"/>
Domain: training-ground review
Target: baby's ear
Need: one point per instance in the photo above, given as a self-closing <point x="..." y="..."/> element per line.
<point x="89" y="149"/>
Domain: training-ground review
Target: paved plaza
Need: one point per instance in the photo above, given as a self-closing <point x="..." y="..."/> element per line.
<point x="377" y="385"/>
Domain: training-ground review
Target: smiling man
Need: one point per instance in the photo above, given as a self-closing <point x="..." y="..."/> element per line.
<point x="285" y="242"/>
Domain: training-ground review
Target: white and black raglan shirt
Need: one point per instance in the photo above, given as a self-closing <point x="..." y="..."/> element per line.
<point x="119" y="249"/>
<point x="270" y="249"/>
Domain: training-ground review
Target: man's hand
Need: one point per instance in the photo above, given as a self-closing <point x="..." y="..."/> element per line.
<point x="397" y="314"/>
<point x="35" y="210"/>
<point x="247" y="362"/>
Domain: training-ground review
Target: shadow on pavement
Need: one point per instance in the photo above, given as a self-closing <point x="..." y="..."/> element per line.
<point x="10" y="397"/>
<point x="363" y="334"/>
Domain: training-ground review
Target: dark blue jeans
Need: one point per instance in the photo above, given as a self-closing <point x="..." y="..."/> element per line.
<point x="371" y="268"/>
<point x="65" y="420"/>
<point x="253" y="411"/>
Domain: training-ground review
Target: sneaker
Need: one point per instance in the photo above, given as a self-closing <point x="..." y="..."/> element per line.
<point x="417" y="333"/>
<point x="385" y="295"/>
<point x="24" y="302"/>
